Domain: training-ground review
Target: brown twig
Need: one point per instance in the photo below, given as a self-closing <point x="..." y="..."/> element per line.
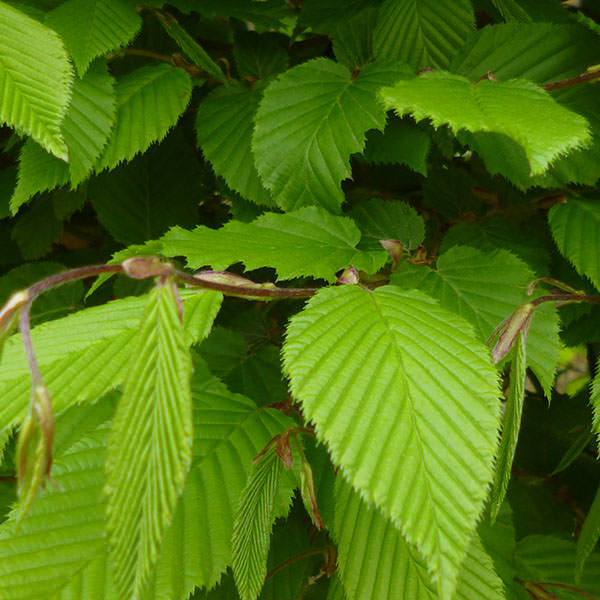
<point x="571" y="81"/>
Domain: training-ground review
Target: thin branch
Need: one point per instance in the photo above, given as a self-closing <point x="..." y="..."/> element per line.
<point x="566" y="298"/>
<point x="293" y="559"/>
<point x="570" y="588"/>
<point x="72" y="275"/>
<point x="571" y="81"/>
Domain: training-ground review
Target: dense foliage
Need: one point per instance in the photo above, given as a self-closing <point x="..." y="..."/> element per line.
<point x="390" y="394"/>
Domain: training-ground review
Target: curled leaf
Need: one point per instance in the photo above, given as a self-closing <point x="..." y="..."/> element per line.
<point x="9" y="315"/>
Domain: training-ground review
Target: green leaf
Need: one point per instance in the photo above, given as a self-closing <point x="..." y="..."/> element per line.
<point x="91" y="28"/>
<point x="423" y="33"/>
<point x="485" y="288"/>
<point x="595" y="403"/>
<point x="253" y="524"/>
<point x="224" y="125"/>
<point x="150" y="449"/>
<point x="309" y="241"/>
<point x="511" y="11"/>
<point x="401" y="142"/>
<point x="396" y="360"/>
<point x="382" y="220"/>
<point x="575" y="227"/>
<point x="374" y="560"/>
<point x="352" y="40"/>
<point x="260" y="55"/>
<point x="511" y="426"/>
<point x="326" y="111"/>
<point x="588" y="537"/>
<point x="150" y="101"/>
<point x="36" y="77"/>
<point x="516" y="109"/>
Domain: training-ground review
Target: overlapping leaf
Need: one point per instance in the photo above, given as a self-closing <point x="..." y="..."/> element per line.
<point x="485" y="288"/>
<point x="35" y="76"/>
<point x="575" y="227"/>
<point x="91" y="28"/>
<point x="224" y="125"/>
<point x="325" y="111"/>
<point x="516" y="110"/>
<point x="423" y="33"/>
<point x="308" y="241"/>
<point x="150" y="100"/>
<point x="393" y="372"/>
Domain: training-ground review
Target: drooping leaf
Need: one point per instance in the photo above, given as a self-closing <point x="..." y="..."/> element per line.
<point x="326" y="111"/>
<point x="510" y="427"/>
<point x="401" y="142"/>
<point x="516" y="109"/>
<point x="575" y="226"/>
<point x="224" y="125"/>
<point x="150" y="449"/>
<point x="423" y="33"/>
<point x="91" y="28"/>
<point x="589" y="536"/>
<point x="485" y="288"/>
<point x="308" y="241"/>
<point x="413" y="362"/>
<point x="36" y="76"/>
<point x="150" y="101"/>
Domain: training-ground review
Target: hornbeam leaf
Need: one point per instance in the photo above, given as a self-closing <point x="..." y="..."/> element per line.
<point x="423" y="33"/>
<point x="306" y="242"/>
<point x="425" y="387"/>
<point x="35" y="77"/>
<point x="575" y="227"/>
<point x="150" y="449"/>
<point x="510" y="427"/>
<point x="90" y="28"/>
<point x="516" y="109"/>
<point x="375" y="561"/>
<point x="589" y="536"/>
<point x="326" y="111"/>
<point x="150" y="101"/>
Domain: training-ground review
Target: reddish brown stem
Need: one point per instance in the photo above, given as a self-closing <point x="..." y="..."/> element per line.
<point x="571" y="81"/>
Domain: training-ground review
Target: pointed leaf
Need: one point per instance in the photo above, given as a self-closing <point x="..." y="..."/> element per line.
<point x="151" y="443"/>
<point x="150" y="101"/>
<point x="589" y="536"/>
<point x="91" y="28"/>
<point x="416" y="374"/>
<point x="516" y="109"/>
<point x="309" y="241"/>
<point x="35" y="76"/>
<point x="326" y="111"/>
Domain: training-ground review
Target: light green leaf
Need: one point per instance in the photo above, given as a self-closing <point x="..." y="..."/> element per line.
<point x="326" y="111"/>
<point x="423" y="33"/>
<point x="375" y="561"/>
<point x="511" y="426"/>
<point x="401" y="142"/>
<point x="516" y="109"/>
<point x="91" y="28"/>
<point x="309" y="241"/>
<point x="485" y="288"/>
<point x="150" y="101"/>
<point x="588" y="537"/>
<point x="575" y="226"/>
<point x="252" y="526"/>
<point x="382" y="220"/>
<point x="427" y="390"/>
<point x="35" y="76"/>
<point x="224" y="126"/>
<point x="150" y="449"/>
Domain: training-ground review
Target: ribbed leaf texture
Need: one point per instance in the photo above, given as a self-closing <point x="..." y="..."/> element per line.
<point x="91" y="28"/>
<point x="575" y="228"/>
<point x="326" y="111"/>
<point x="423" y="33"/>
<point x="259" y="55"/>
<point x="511" y="11"/>
<point x="425" y="387"/>
<point x="150" y="449"/>
<point x="595" y="402"/>
<point x="588" y="537"/>
<point x="254" y="520"/>
<point x="376" y="562"/>
<point x="511" y="426"/>
<point x="485" y="288"/>
<point x="35" y="77"/>
<point x="224" y="125"/>
<point x="516" y="109"/>
<point x="309" y="241"/>
<point x="86" y="354"/>
<point x="150" y="101"/>
<point x="86" y="129"/>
